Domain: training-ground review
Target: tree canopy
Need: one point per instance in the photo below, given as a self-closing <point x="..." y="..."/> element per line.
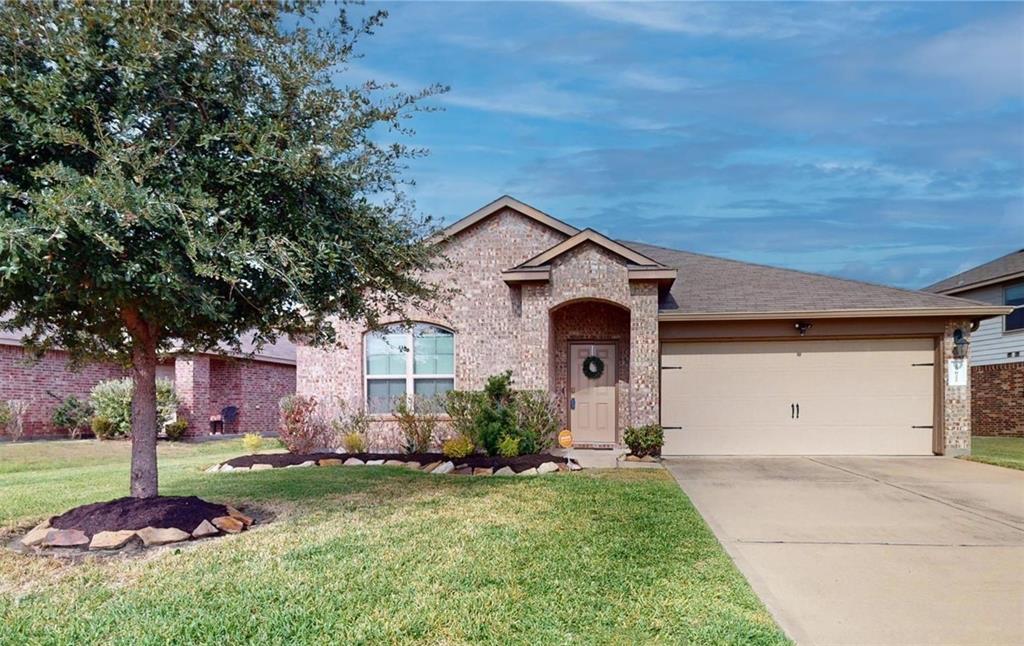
<point x="179" y="173"/>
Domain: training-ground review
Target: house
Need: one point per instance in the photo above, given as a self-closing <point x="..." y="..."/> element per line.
<point x="205" y="384"/>
<point x="730" y="357"/>
<point x="997" y="346"/>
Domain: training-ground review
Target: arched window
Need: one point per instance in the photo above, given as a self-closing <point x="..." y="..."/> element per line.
<point x="402" y="361"/>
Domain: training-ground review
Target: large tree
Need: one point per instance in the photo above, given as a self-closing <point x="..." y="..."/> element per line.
<point x="174" y="174"/>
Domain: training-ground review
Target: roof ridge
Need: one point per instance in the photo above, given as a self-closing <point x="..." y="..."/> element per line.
<point x="807" y="273"/>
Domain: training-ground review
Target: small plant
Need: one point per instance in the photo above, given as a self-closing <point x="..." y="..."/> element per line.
<point x="418" y="428"/>
<point x="17" y="411"/>
<point x="103" y="428"/>
<point x="497" y="417"/>
<point x="457" y="447"/>
<point x="353" y="442"/>
<point x="252" y="442"/>
<point x="5" y="415"/>
<point x="463" y="408"/>
<point x="644" y="440"/>
<point x="112" y="399"/>
<point x="72" y="416"/>
<point x="536" y="420"/>
<point x="302" y="429"/>
<point x="175" y="431"/>
<point x="508" y="447"/>
<point x="352" y="426"/>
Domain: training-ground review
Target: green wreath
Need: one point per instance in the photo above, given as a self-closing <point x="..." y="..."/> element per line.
<point x="593" y="367"/>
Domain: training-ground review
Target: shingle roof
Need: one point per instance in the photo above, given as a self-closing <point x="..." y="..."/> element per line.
<point x="1009" y="266"/>
<point x="711" y="285"/>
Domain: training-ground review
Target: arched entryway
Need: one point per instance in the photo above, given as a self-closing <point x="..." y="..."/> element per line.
<point x="594" y="397"/>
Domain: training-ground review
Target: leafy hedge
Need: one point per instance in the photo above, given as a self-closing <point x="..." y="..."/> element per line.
<point x="112" y="400"/>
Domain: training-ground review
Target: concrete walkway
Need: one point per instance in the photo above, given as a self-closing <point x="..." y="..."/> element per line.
<point x="853" y="550"/>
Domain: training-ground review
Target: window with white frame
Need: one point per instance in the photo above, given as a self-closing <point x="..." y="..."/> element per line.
<point x="403" y="361"/>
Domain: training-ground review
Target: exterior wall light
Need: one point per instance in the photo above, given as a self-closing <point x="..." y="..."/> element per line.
<point x="960" y="344"/>
<point x="803" y="326"/>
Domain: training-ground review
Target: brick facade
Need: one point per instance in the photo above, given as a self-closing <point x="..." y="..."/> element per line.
<point x="997" y="399"/>
<point x="46" y="382"/>
<point x="957" y="399"/>
<point x="206" y="385"/>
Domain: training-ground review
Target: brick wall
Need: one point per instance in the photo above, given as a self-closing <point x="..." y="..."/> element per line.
<point x="997" y="399"/>
<point x="205" y="385"/>
<point x="22" y="378"/>
<point x="957" y="399"/>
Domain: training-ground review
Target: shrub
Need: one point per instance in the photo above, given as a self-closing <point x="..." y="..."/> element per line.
<point x="463" y="408"/>
<point x="353" y="442"/>
<point x="351" y="427"/>
<point x="497" y="417"/>
<point x="418" y="423"/>
<point x="103" y="428"/>
<point x="5" y="415"/>
<point x="457" y="447"/>
<point x="302" y="429"/>
<point x="72" y="416"/>
<point x="17" y="411"/>
<point x="644" y="440"/>
<point x="175" y="431"/>
<point x="508" y="446"/>
<point x="536" y="420"/>
<point x="252" y="442"/>
<point x="113" y="400"/>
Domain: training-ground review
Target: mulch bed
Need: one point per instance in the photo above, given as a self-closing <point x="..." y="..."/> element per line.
<point x="181" y="512"/>
<point x="517" y="464"/>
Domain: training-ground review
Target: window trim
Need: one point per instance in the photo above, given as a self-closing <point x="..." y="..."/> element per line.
<point x="410" y="375"/>
<point x="1006" y="317"/>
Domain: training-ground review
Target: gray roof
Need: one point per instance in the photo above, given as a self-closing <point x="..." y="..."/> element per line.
<point x="711" y="285"/>
<point x="1006" y="267"/>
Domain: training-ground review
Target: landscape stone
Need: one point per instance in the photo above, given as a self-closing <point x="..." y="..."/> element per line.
<point x="648" y="458"/>
<point x="354" y="462"/>
<point x="374" y="463"/>
<point x="307" y="463"/>
<point x="429" y="468"/>
<point x="562" y="466"/>
<point x="483" y="471"/>
<point x="36" y="534"/>
<point x="65" y="538"/>
<point x="394" y="463"/>
<point x="412" y="465"/>
<point x="111" y="540"/>
<point x="214" y="469"/>
<point x="547" y="467"/>
<point x="532" y="471"/>
<point x="505" y="471"/>
<point x="444" y="467"/>
<point x="226" y="467"/>
<point x="205" y="529"/>
<point x="632" y="458"/>
<point x="228" y="524"/>
<point x="463" y="471"/>
<point x="234" y="513"/>
<point x="162" y="535"/>
<point x="332" y="462"/>
<point x="261" y="467"/>
<point x="575" y="466"/>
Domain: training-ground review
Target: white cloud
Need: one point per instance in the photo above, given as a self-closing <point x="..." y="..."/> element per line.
<point x="641" y="79"/>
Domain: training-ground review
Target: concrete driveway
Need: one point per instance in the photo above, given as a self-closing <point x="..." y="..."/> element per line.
<point x="855" y="550"/>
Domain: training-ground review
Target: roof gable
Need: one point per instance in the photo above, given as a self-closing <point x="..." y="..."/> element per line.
<point x="498" y="205"/>
<point x="1001" y="269"/>
<point x="589" y="235"/>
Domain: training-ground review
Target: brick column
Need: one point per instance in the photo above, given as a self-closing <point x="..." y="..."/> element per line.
<point x="534" y="371"/>
<point x="644" y="362"/>
<point x="957" y="399"/>
<point x="192" y="384"/>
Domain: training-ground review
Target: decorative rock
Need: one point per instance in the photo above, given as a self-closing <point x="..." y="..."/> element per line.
<point x="214" y="469"/>
<point x="394" y="463"/>
<point x="483" y="471"/>
<point x="562" y="466"/>
<point x="505" y="471"/>
<point x="261" y="467"/>
<point x="226" y="467"/>
<point x="354" y="462"/>
<point x="547" y="467"/>
<point x="228" y="524"/>
<point x="429" y="468"/>
<point x="374" y="463"/>
<point x="242" y="469"/>
<point x="37" y="534"/>
<point x="331" y="462"/>
<point x="234" y="513"/>
<point x="65" y="538"/>
<point x="162" y="535"/>
<point x="575" y="466"/>
<point x="463" y="471"/>
<point x="111" y="540"/>
<point x="307" y="463"/>
<point x="632" y="458"/>
<point x="532" y="471"/>
<point x="648" y="458"/>
<point x="205" y="529"/>
<point x="415" y="466"/>
<point x="443" y="468"/>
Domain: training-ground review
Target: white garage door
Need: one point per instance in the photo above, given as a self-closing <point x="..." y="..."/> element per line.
<point x="854" y="397"/>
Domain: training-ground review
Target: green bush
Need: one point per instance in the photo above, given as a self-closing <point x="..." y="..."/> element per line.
<point x="72" y="416"/>
<point x="252" y="442"/>
<point x="508" y="446"/>
<point x="496" y="418"/>
<point x="644" y="440"/>
<point x="457" y="447"/>
<point x="353" y="442"/>
<point x="352" y="427"/>
<point x="536" y="419"/>
<point x="175" y="430"/>
<point x="463" y="408"/>
<point x="302" y="428"/>
<point x="418" y="423"/>
<point x="5" y="416"/>
<point x="103" y="428"/>
<point x="113" y="400"/>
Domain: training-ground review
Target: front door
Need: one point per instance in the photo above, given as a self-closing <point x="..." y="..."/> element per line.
<point x="592" y="393"/>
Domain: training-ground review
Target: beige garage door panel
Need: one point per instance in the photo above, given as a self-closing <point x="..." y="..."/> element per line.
<point x="858" y="397"/>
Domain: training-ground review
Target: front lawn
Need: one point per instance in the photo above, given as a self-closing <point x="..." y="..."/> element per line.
<point x="1000" y="451"/>
<point x="377" y="554"/>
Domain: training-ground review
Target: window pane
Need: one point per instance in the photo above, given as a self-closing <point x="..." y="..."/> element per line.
<point x="434" y="351"/>
<point x="382" y="394"/>
<point x="386" y="352"/>
<point x="1015" y="296"/>
<point x="430" y="393"/>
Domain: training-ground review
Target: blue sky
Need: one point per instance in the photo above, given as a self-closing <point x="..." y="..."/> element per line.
<point x="883" y="142"/>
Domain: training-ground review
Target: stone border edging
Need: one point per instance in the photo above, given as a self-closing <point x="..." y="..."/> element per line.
<point x="434" y="468"/>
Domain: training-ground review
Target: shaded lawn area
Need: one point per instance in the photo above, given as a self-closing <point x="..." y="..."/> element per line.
<point x="1000" y="451"/>
<point x="371" y="554"/>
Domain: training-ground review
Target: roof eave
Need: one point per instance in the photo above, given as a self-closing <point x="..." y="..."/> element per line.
<point x="959" y="289"/>
<point x="966" y="312"/>
<point x="503" y="202"/>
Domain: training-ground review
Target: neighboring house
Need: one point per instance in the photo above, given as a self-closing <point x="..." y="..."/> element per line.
<point x="730" y="357"/>
<point x="205" y="383"/>
<point x="997" y="346"/>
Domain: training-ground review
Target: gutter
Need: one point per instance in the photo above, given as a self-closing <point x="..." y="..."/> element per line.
<point x="970" y="312"/>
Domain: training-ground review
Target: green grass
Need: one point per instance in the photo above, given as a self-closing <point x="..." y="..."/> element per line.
<point x="1001" y="451"/>
<point x="377" y="554"/>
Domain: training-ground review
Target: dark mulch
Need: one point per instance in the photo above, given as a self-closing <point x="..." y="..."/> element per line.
<point x="182" y="512"/>
<point x="518" y="463"/>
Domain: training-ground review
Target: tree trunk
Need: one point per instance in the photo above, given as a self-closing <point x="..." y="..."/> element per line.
<point x="144" y="474"/>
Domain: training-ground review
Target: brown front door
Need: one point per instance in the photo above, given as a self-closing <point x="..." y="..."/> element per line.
<point x="592" y="399"/>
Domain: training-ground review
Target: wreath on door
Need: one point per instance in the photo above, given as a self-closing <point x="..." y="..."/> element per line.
<point x="593" y="367"/>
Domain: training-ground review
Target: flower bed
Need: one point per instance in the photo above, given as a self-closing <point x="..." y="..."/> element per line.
<point x="436" y="463"/>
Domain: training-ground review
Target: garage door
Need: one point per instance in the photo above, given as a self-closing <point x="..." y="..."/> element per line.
<point x="855" y="397"/>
